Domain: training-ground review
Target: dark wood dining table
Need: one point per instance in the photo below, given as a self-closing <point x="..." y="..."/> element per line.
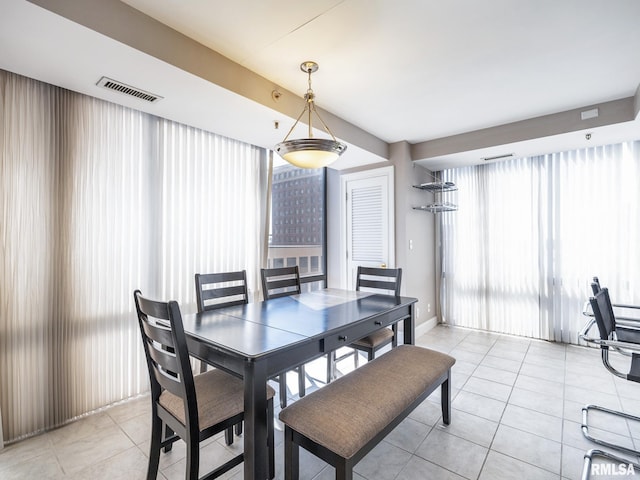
<point x="259" y="340"/>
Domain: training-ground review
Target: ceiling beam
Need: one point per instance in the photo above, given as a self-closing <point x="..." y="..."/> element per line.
<point x="131" y="27"/>
<point x="599" y="115"/>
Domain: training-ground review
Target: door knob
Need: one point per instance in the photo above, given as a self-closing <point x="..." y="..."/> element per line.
<point x="384" y="265"/>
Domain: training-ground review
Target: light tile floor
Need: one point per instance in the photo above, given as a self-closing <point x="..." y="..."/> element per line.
<point x="516" y="415"/>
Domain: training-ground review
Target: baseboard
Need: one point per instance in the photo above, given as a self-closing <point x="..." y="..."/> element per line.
<point x="424" y="327"/>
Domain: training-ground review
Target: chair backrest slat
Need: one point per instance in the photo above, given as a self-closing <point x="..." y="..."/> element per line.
<point x="386" y="279"/>
<point x="157" y="333"/>
<point x="223" y="292"/>
<point x="378" y="284"/>
<point x="280" y="282"/>
<point x="168" y="382"/>
<point x="217" y="290"/>
<point x="163" y="357"/>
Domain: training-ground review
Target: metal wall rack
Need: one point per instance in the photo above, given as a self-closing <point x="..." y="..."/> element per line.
<point x="438" y="188"/>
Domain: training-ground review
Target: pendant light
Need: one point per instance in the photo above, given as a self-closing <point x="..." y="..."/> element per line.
<point x="310" y="152"/>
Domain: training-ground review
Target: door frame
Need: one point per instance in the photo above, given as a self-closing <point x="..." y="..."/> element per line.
<point x="388" y="174"/>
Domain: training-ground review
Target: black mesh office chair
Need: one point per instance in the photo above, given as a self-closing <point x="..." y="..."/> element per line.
<point x="624" y="339"/>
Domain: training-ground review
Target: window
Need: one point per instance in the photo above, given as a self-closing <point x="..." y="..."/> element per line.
<point x="297" y="230"/>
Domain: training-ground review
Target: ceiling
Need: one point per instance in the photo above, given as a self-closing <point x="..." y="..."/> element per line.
<point x="418" y="71"/>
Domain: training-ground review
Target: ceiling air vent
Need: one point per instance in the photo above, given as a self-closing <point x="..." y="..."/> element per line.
<point x="117" y="86"/>
<point x="497" y="157"/>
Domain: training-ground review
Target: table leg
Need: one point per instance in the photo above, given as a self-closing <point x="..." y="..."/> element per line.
<point x="255" y="421"/>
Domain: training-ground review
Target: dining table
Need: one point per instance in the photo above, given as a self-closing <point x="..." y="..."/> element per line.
<point x="259" y="340"/>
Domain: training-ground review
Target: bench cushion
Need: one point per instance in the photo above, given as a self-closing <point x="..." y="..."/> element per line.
<point x="346" y="414"/>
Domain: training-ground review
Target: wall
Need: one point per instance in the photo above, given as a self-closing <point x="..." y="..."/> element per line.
<point x="415" y="233"/>
<point x="333" y="206"/>
<point x="418" y="263"/>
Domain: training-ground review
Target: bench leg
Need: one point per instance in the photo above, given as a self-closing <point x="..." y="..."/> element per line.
<point x="445" y="398"/>
<point x="291" y="456"/>
<point x="344" y="471"/>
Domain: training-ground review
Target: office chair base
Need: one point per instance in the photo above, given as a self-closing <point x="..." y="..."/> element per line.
<point x="585" y="427"/>
<point x="623" y="467"/>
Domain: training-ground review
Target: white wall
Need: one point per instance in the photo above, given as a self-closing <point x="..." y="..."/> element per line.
<point x="418" y="263"/>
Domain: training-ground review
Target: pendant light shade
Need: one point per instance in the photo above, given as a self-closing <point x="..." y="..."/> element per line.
<point x="310" y="152"/>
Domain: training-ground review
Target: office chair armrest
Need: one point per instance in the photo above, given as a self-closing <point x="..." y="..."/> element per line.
<point x="584" y="333"/>
<point x="616" y="344"/>
<point x="621" y="319"/>
<point x="625" y="305"/>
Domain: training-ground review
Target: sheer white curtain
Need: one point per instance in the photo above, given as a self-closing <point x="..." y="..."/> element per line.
<point x="213" y="209"/>
<point x="519" y="254"/>
<point x="98" y="200"/>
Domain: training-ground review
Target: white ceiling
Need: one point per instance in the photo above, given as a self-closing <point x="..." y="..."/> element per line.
<point x="402" y="70"/>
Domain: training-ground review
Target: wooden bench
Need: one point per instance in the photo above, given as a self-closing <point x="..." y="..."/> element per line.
<point x="343" y="421"/>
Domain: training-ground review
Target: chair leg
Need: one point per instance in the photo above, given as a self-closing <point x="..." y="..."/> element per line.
<point x="445" y="400"/>
<point x="394" y="341"/>
<point x="356" y="358"/>
<point x="192" y="458"/>
<point x="291" y="456"/>
<point x="371" y="354"/>
<point x="270" y="440"/>
<point x="331" y="360"/>
<point x="282" y="383"/>
<point x="239" y="428"/>
<point x="585" y="428"/>
<point x="228" y="436"/>
<point x="588" y="460"/>
<point x="168" y="432"/>
<point x="302" y="378"/>
<point x="154" y="449"/>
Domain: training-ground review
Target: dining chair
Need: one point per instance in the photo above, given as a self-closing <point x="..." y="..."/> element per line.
<point x="219" y="290"/>
<point x="375" y="280"/>
<point x="280" y="282"/>
<point x="276" y="283"/>
<point x="195" y="408"/>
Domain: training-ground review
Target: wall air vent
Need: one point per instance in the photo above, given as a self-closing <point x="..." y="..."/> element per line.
<point x="497" y="157"/>
<point x="117" y="86"/>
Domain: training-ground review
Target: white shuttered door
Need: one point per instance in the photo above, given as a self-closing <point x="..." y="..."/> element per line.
<point x="369" y="213"/>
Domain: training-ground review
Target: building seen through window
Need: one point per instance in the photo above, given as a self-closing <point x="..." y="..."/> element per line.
<point x="296" y="235"/>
